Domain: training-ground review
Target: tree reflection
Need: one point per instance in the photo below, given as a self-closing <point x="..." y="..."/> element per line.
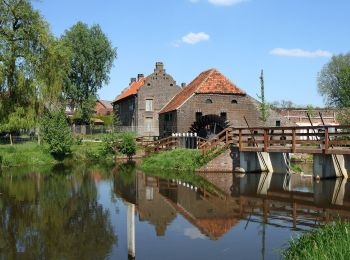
<point x="53" y="217"/>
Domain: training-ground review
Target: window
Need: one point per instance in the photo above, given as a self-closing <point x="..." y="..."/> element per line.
<point x="198" y="116"/>
<point x="209" y="101"/>
<point x="168" y="117"/>
<point x="148" y="124"/>
<point x="278" y="123"/>
<point x="223" y="115"/>
<point x="149" y="104"/>
<point x="234" y="101"/>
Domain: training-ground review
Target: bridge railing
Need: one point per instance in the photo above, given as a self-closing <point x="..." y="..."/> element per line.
<point x="309" y="139"/>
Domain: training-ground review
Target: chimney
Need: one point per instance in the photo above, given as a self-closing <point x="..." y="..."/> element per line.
<point x="183" y="85"/>
<point x="140" y="76"/>
<point x="159" y="67"/>
<point x="132" y="80"/>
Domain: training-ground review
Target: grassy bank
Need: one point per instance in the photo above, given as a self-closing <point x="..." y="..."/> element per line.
<point x="329" y="242"/>
<point x="30" y="154"/>
<point x="178" y="160"/>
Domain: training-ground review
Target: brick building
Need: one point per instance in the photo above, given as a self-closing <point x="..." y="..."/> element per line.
<point x="103" y="107"/>
<point x="139" y="104"/>
<point x="210" y="103"/>
<point x="298" y="116"/>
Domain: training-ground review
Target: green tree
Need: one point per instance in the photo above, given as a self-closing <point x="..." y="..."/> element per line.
<point x="56" y="134"/>
<point x="334" y="81"/>
<point x="92" y="57"/>
<point x="23" y="37"/>
<point x="17" y="120"/>
<point x="264" y="106"/>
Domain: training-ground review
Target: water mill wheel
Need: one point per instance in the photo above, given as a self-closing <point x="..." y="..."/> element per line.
<point x="208" y="126"/>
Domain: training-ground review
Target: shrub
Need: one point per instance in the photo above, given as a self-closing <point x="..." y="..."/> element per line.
<point x="127" y="144"/>
<point x="56" y="134"/>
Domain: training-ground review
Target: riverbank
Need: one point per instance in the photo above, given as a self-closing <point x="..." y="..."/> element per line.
<point x="176" y="160"/>
<point x="329" y="242"/>
<point x="32" y="154"/>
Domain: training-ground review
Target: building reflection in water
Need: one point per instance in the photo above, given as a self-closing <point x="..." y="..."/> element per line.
<point x="219" y="202"/>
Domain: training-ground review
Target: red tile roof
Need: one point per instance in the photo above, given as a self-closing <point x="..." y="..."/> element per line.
<point x="208" y="82"/>
<point x="131" y="90"/>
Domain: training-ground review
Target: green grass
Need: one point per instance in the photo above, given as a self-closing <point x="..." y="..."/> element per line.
<point x="24" y="154"/>
<point x="30" y="154"/>
<point x="178" y="159"/>
<point x="329" y="242"/>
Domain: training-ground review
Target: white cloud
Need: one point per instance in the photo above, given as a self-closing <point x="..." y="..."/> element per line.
<point x="193" y="233"/>
<point x="300" y="53"/>
<point x="193" y="38"/>
<point x="225" y="2"/>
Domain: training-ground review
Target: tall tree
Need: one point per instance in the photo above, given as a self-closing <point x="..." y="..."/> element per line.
<point x="23" y="37"/>
<point x="264" y="107"/>
<point x="334" y="81"/>
<point x="92" y="57"/>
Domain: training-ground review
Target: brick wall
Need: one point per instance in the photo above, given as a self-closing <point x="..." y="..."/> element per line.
<point x="161" y="88"/>
<point x="235" y="106"/>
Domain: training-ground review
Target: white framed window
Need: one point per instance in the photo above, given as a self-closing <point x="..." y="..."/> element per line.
<point x="149" y="104"/>
<point x="148" y="124"/>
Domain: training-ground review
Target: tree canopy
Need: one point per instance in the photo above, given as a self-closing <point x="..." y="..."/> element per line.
<point x="24" y="35"/>
<point x="92" y="57"/>
<point x="334" y="81"/>
<point x="40" y="72"/>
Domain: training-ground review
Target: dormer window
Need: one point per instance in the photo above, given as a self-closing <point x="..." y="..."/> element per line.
<point x="209" y="101"/>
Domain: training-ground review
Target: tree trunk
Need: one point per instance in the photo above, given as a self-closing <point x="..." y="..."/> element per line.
<point x="11" y="139"/>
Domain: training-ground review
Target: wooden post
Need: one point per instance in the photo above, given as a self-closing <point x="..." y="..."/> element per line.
<point x="266" y="139"/>
<point x="293" y="140"/>
<point x="226" y="133"/>
<point x="240" y="140"/>
<point x="326" y="139"/>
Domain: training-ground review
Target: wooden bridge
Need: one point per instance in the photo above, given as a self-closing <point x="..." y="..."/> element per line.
<point x="310" y="139"/>
<point x="306" y="139"/>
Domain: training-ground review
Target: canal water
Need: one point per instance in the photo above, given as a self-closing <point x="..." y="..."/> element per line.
<point x="96" y="212"/>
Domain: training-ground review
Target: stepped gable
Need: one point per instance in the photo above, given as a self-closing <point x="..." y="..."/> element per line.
<point x="208" y="82"/>
<point x="131" y="90"/>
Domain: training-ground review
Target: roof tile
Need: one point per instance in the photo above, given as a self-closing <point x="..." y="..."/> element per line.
<point x="131" y="90"/>
<point x="208" y="82"/>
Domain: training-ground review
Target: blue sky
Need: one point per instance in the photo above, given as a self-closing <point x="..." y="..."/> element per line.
<point x="290" y="39"/>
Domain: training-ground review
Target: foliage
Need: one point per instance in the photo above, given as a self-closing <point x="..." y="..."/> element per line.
<point x="283" y="104"/>
<point x="24" y="36"/>
<point x="127" y="144"/>
<point x="329" y="242"/>
<point x="53" y="74"/>
<point x="92" y="56"/>
<point x="343" y="116"/>
<point x="311" y="110"/>
<point x="19" y="119"/>
<point x="334" y="81"/>
<point x="83" y="113"/>
<point x="178" y="159"/>
<point x="109" y="141"/>
<point x="56" y="133"/>
<point x="107" y="119"/>
<point x="264" y="106"/>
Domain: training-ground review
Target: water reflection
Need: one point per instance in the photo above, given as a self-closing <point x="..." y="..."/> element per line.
<point x="53" y="216"/>
<point x="281" y="202"/>
<point x="70" y="213"/>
